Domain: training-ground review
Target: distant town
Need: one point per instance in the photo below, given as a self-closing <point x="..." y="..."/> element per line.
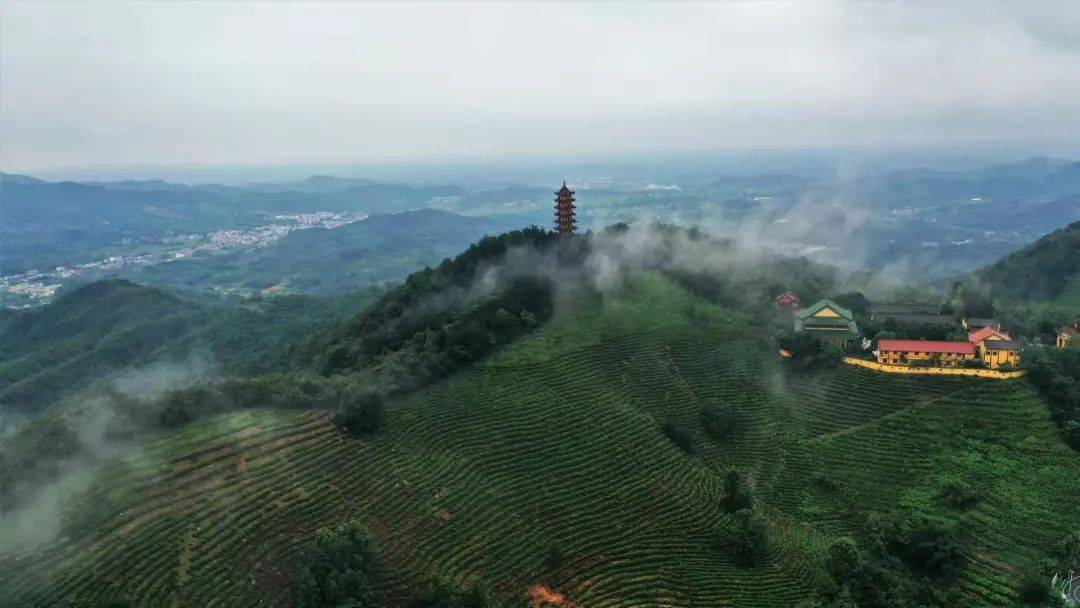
<point x="36" y="287"/>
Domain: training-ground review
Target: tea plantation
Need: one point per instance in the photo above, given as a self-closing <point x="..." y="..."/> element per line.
<point x="549" y="464"/>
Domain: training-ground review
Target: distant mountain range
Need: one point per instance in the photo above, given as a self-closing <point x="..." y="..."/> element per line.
<point x="919" y="223"/>
<point x="45" y="224"/>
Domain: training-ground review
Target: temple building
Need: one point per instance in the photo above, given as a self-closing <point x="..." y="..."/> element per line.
<point x="988" y="345"/>
<point x="911" y="315"/>
<point x="1068" y="335"/>
<point x="565" y="218"/>
<point x="787" y="302"/>
<point x="826" y="320"/>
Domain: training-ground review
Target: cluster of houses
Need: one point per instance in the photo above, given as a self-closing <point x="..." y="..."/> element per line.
<point x="986" y="344"/>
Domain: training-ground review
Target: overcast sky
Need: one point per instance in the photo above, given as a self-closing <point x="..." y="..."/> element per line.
<point x="180" y="83"/>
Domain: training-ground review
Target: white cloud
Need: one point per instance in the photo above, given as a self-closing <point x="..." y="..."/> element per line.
<point x="118" y="83"/>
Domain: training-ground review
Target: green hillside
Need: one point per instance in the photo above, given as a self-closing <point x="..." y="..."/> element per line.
<point x="556" y="446"/>
<point x="99" y="329"/>
<point x="1046" y="270"/>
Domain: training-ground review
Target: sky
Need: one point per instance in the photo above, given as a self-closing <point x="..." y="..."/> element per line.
<point x="161" y="83"/>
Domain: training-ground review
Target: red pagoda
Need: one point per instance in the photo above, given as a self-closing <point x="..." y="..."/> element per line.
<point x="564" y="210"/>
<point x="787" y="302"/>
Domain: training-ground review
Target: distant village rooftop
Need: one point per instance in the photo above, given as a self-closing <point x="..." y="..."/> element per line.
<point x="916" y="319"/>
<point x="902" y="309"/>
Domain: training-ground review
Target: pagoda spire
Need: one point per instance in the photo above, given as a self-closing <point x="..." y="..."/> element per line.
<point x="565" y="218"/>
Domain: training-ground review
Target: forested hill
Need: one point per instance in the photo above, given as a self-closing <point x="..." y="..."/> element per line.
<point x="1048" y="269"/>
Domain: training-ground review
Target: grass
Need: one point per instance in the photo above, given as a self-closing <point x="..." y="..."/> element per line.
<point x="557" y="443"/>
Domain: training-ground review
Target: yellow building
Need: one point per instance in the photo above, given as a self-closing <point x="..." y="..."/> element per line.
<point x="1002" y="352"/>
<point x="930" y="353"/>
<point x="996" y="348"/>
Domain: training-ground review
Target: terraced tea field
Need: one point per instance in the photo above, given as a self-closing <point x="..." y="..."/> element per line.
<point x="556" y="443"/>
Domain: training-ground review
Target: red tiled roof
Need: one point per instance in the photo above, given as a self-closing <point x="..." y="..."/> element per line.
<point x="927" y="346"/>
<point x="787" y="297"/>
<point x="981" y="334"/>
<point x="1070" y="330"/>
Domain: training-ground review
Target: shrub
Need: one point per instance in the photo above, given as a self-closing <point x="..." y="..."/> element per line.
<point x="735" y="497"/>
<point x="960" y="494"/>
<point x="843" y="558"/>
<point x="444" y="594"/>
<point x="1034" y="590"/>
<point x="931" y="549"/>
<point x="747" y="543"/>
<point x="679" y="437"/>
<point x="825" y="483"/>
<point x="555" y="559"/>
<point x="1068" y="552"/>
<point x="719" y="422"/>
<point x="363" y="413"/>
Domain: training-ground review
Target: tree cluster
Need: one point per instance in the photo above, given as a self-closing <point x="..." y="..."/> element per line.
<point x="1056" y="374"/>
<point x="907" y="564"/>
<point x="747" y="542"/>
<point x="337" y="572"/>
<point x="441" y="318"/>
<point x="807" y="352"/>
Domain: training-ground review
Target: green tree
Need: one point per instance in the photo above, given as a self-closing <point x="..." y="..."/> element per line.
<point x="719" y="421"/>
<point x="747" y="542"/>
<point x="842" y="559"/>
<point x="363" y="413"/>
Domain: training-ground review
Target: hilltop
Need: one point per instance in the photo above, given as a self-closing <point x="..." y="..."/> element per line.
<point x="581" y="457"/>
